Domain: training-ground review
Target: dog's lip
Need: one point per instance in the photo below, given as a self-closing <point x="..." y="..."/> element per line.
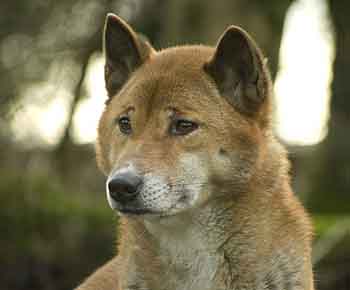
<point x="135" y="211"/>
<point x="142" y="212"/>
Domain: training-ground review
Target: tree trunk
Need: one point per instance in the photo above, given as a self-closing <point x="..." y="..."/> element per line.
<point x="332" y="186"/>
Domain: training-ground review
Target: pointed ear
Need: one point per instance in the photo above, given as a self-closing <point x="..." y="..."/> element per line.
<point x="237" y="68"/>
<point x="124" y="53"/>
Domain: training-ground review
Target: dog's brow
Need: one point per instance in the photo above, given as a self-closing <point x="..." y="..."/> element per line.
<point x="125" y="110"/>
<point x="180" y="109"/>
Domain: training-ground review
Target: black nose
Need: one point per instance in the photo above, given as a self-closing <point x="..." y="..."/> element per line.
<point x="124" y="187"/>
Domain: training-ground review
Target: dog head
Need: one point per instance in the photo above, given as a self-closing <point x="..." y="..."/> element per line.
<point x="181" y="125"/>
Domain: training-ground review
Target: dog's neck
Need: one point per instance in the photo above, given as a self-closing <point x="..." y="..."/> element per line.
<point x="195" y="249"/>
<point x="187" y="250"/>
<point x="200" y="229"/>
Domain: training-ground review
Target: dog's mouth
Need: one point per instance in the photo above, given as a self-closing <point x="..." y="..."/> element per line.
<point x="135" y="211"/>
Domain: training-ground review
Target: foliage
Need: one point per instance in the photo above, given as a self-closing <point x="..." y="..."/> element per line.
<point x="50" y="237"/>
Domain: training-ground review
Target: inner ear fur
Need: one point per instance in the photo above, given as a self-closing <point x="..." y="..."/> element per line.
<point x="124" y="52"/>
<point x="239" y="72"/>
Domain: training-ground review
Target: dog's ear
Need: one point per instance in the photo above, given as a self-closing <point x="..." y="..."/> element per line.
<point x="124" y="51"/>
<point x="237" y="68"/>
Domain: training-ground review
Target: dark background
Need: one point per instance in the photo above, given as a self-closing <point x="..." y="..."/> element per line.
<point x="55" y="224"/>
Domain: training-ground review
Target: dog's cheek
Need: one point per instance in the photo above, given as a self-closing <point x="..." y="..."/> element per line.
<point x="231" y="170"/>
<point x="194" y="173"/>
<point x="221" y="166"/>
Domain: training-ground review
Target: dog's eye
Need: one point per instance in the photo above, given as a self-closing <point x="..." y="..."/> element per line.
<point x="182" y="127"/>
<point x="125" y="125"/>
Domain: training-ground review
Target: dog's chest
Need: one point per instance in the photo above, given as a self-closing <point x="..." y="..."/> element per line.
<point x="188" y="264"/>
<point x="190" y="272"/>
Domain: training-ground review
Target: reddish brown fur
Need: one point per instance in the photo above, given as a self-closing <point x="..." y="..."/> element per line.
<point x="254" y="224"/>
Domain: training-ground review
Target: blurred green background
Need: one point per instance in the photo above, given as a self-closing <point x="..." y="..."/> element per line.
<point x="55" y="224"/>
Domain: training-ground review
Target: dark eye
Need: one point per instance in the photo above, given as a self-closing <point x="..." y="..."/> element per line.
<point x="182" y="127"/>
<point x="124" y="125"/>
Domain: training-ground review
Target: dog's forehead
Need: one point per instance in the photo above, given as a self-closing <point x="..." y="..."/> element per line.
<point x="174" y="76"/>
<point x="185" y="59"/>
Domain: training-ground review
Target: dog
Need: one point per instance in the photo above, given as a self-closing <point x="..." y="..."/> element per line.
<point x="199" y="180"/>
